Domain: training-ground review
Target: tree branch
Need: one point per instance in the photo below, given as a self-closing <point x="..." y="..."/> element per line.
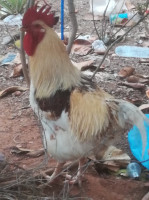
<point x="116" y="41"/>
<point x="22" y="53"/>
<point x="74" y="24"/>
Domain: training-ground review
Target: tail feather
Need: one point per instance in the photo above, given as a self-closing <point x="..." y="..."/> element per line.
<point x="130" y="114"/>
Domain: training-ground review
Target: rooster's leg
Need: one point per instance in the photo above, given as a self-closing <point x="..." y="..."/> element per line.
<point x="78" y="177"/>
<point x="56" y="173"/>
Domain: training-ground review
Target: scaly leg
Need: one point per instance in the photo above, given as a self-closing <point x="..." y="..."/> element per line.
<point x="78" y="177"/>
<point x="57" y="171"/>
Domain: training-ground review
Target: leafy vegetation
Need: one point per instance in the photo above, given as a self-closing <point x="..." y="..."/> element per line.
<point x="13" y="6"/>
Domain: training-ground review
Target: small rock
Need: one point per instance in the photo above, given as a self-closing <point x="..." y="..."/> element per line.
<point x="2" y="161"/>
<point x="17" y="93"/>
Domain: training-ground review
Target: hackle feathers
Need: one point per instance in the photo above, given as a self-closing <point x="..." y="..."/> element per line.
<point x="51" y="68"/>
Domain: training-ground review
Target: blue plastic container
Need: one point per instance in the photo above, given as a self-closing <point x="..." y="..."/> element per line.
<point x="135" y="142"/>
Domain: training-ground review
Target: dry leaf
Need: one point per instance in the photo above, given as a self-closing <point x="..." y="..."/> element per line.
<point x="142" y="76"/>
<point x="114" y="159"/>
<point x="89" y="17"/>
<point x="144" y="61"/>
<point x="116" y="155"/>
<point x="119" y="33"/>
<point x="81" y="47"/>
<point x="82" y="66"/>
<point x="132" y="79"/>
<point x="145" y="44"/>
<point x="134" y="85"/>
<point x="129" y="5"/>
<point x="136" y="101"/>
<point x="82" y="42"/>
<point x="144" y="107"/>
<point x="126" y="71"/>
<point x="146" y="197"/>
<point x="17" y="71"/>
<point x="147" y="93"/>
<point x="137" y="79"/>
<point x="11" y="90"/>
<point x="28" y="152"/>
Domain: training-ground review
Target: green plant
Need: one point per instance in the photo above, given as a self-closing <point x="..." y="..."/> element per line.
<point x="13" y="6"/>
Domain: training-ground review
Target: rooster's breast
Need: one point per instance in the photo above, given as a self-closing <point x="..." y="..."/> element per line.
<point x="59" y="139"/>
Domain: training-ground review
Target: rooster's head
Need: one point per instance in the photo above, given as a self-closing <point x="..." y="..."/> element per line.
<point x="34" y="24"/>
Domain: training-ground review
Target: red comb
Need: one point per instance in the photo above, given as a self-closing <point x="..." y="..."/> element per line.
<point x="44" y="14"/>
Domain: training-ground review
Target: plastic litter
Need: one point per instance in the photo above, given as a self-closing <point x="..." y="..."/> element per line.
<point x="133" y="170"/>
<point x="8" y="59"/>
<point x="132" y="51"/>
<point x="13" y="20"/>
<point x="98" y="45"/>
<point x="116" y="19"/>
<point x="122" y="18"/>
<point x="114" y="6"/>
<point x="135" y="142"/>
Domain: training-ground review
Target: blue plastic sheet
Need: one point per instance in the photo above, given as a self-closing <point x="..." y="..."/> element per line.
<point x="135" y="142"/>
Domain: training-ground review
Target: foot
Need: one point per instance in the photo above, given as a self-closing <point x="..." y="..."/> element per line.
<point x="78" y="178"/>
<point x="58" y="171"/>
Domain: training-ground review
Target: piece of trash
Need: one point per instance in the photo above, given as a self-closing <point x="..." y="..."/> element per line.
<point x="133" y="170"/>
<point x="126" y="71"/>
<point x="118" y="19"/>
<point x="99" y="47"/>
<point x="17" y="43"/>
<point x="6" y="40"/>
<point x="135" y="143"/>
<point x="11" y="90"/>
<point x="122" y="172"/>
<point x="122" y="18"/>
<point x="99" y="7"/>
<point x="132" y="51"/>
<point x="7" y="60"/>
<point x="13" y="20"/>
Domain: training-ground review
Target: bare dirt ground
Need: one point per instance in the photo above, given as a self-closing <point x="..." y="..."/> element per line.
<point x="20" y="128"/>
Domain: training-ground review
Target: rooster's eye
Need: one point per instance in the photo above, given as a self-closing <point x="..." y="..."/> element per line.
<point x="37" y="26"/>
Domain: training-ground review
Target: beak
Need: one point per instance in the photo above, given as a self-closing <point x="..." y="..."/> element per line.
<point x="23" y="29"/>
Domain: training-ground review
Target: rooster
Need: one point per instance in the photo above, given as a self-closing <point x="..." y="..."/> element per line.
<point x="79" y="119"/>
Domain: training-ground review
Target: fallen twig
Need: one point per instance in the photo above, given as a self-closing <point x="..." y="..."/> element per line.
<point x="11" y="90"/>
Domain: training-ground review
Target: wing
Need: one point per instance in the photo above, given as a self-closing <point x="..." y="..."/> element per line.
<point x="90" y="114"/>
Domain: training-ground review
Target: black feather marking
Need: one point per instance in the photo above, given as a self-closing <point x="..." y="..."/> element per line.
<point x="55" y="104"/>
<point x="61" y="99"/>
